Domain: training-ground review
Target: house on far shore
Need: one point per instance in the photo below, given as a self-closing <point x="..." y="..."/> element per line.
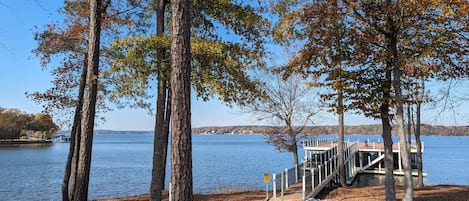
<point x="34" y="135"/>
<point x="62" y="138"/>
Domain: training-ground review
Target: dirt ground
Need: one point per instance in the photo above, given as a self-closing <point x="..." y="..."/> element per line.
<point x="428" y="193"/>
<point x="235" y="196"/>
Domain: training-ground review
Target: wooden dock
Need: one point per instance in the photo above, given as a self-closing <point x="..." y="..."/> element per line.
<point x="320" y="165"/>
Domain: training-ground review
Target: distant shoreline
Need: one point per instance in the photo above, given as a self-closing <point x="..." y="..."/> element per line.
<point x="372" y="129"/>
<point x="22" y="141"/>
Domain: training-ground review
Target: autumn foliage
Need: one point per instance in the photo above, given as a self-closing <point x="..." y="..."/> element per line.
<point x="14" y="123"/>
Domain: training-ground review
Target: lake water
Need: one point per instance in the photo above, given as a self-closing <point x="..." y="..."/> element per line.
<point x="121" y="165"/>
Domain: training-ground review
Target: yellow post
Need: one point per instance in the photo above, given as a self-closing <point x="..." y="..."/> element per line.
<point x="266" y="181"/>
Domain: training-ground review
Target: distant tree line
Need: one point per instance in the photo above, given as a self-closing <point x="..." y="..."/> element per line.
<point x="14" y="123"/>
<point x="373" y="129"/>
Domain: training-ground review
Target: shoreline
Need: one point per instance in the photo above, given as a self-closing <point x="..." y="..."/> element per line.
<point x="25" y="142"/>
<point x="219" y="134"/>
<point x="371" y="193"/>
<point x="364" y="129"/>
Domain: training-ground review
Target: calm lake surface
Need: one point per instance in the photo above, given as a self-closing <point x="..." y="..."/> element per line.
<point x="121" y="164"/>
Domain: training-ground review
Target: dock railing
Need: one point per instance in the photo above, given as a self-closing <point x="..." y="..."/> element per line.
<point x="317" y="142"/>
<point x="351" y="169"/>
<point x="283" y="180"/>
<point x="321" y="167"/>
<point x="318" y="168"/>
<point x="320" y="172"/>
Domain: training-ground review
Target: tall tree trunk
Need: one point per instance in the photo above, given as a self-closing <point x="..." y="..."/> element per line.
<point x="295" y="156"/>
<point x="181" y="139"/>
<point x="388" y="159"/>
<point x="408" y="192"/>
<point x="340" y="143"/>
<point x="74" y="136"/>
<point x="392" y="62"/>
<point x="417" y="138"/>
<point x="161" y="134"/>
<point x="388" y="155"/>
<point x="167" y="121"/>
<point x="76" y="151"/>
<point x="80" y="191"/>
<point x="389" y="181"/>
<point x="160" y="144"/>
<point x="409" y="123"/>
<point x="419" y="149"/>
<point x="294" y="148"/>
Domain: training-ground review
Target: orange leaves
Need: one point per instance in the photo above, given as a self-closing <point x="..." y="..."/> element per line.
<point x="463" y="9"/>
<point x="409" y="69"/>
<point x="285" y="29"/>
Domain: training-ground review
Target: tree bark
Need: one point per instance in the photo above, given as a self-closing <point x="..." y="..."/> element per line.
<point x="392" y="63"/>
<point x="293" y="147"/>
<point x="419" y="147"/>
<point x="160" y="144"/>
<point x="80" y="192"/>
<point x="161" y="134"/>
<point x="340" y="143"/>
<point x="295" y="156"/>
<point x="389" y="181"/>
<point x="75" y="137"/>
<point x="408" y="191"/>
<point x="405" y="157"/>
<point x="409" y="123"/>
<point x="181" y="139"/>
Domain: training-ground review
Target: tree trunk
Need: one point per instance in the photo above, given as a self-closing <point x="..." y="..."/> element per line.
<point x="419" y="148"/>
<point x="74" y="136"/>
<point x="161" y="134"/>
<point x="181" y="139"/>
<point x="160" y="144"/>
<point x="80" y="192"/>
<point x="340" y="143"/>
<point x="295" y="153"/>
<point x="392" y="63"/>
<point x="389" y="181"/>
<point x="409" y="123"/>
<point x="76" y="151"/>
<point x="408" y="192"/>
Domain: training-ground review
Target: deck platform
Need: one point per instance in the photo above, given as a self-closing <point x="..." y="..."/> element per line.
<point x="320" y="165"/>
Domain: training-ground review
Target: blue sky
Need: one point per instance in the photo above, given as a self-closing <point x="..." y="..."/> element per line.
<point x="21" y="72"/>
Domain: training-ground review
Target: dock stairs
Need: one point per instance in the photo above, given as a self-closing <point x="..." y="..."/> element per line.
<point x="319" y="168"/>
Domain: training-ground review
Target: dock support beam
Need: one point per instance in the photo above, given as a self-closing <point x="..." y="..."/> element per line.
<point x="379" y="163"/>
<point x="274" y="185"/>
<point x="304" y="188"/>
<point x="286" y="178"/>
<point x="312" y="180"/>
<point x="360" y="156"/>
<point x="399" y="157"/>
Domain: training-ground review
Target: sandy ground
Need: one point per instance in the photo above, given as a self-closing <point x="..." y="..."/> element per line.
<point x="428" y="193"/>
<point x="244" y="196"/>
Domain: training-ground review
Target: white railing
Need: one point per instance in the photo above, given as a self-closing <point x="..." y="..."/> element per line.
<point x="317" y="142"/>
<point x="285" y="179"/>
<point x="320" y="167"/>
<point x="350" y="158"/>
